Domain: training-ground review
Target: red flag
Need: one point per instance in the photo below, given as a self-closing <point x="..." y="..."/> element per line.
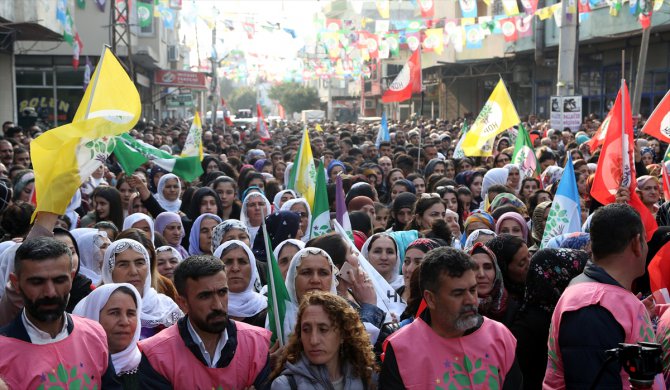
<point x="645" y="20"/>
<point x="658" y="124"/>
<point x="261" y="127"/>
<point x="427" y="8"/>
<point x="407" y="82"/>
<point x="616" y="167"/>
<point x="77" y="47"/>
<point x="508" y="27"/>
<point x="659" y="269"/>
<point x="282" y="111"/>
<point x="600" y="134"/>
<point x="584" y="6"/>
<point x="666" y="180"/>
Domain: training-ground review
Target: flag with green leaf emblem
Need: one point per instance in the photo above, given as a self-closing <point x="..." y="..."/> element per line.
<point x="321" y="210"/>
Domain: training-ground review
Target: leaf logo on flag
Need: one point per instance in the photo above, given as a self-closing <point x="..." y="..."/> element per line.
<point x="490" y="117"/>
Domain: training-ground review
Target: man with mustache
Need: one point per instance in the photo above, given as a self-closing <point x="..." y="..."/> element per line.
<point x="44" y="346"/>
<point x="206" y="349"/>
<point x="450" y="345"/>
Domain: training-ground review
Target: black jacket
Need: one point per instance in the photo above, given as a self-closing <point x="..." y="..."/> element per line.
<point x="584" y="336"/>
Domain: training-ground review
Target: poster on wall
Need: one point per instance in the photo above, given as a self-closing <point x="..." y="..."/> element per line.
<point x="566" y="112"/>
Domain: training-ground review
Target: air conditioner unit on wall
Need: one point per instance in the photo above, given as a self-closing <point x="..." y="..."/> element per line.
<point x="173" y="53"/>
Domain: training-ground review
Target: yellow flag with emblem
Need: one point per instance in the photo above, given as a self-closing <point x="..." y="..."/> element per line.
<point x="64" y="157"/>
<point x="497" y="115"/>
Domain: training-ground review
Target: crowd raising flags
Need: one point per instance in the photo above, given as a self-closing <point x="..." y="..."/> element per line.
<point x="524" y="154"/>
<point x="110" y="106"/>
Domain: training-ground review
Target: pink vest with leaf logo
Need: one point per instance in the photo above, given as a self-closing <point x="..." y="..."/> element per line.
<point x="170" y="357"/>
<point x="78" y="361"/>
<point x="629" y="312"/>
<point x="479" y="360"/>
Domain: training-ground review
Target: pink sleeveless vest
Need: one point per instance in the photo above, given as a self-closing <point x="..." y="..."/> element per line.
<point x="629" y="312"/>
<point x="479" y="360"/>
<point x="80" y="360"/>
<point x="168" y="355"/>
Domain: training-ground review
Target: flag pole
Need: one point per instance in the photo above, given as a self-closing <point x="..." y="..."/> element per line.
<point x="271" y="287"/>
<point x="95" y="82"/>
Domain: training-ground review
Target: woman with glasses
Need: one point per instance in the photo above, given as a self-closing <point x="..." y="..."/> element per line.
<point x="501" y="160"/>
<point x="301" y="207"/>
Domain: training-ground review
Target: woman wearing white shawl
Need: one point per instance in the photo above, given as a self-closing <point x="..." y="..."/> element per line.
<point x="397" y="280"/>
<point x="515" y="175"/>
<point x="126" y="361"/>
<point x="158" y="310"/>
<point x="137" y="218"/>
<point x="244" y="305"/>
<point x="305" y="221"/>
<point x="166" y="203"/>
<point x="494" y="176"/>
<point x="6" y="263"/>
<point x="284" y="261"/>
<point x="277" y="201"/>
<point x="252" y="220"/>
<point x="92" y="244"/>
<point x="474" y="237"/>
<point x="310" y="281"/>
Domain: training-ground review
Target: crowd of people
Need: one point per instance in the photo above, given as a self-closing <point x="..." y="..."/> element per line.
<point x="151" y="282"/>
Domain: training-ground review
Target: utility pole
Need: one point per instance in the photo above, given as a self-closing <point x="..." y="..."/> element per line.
<point x="565" y="84"/>
<point x="641" y="68"/>
<point x="213" y="95"/>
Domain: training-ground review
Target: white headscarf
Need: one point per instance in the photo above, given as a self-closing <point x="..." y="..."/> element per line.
<point x="253" y="230"/>
<point x="90" y="307"/>
<point x="7" y="252"/>
<point x="175" y="253"/>
<point x="510" y="168"/>
<point x="277" y="198"/>
<point x="168" y="205"/>
<point x="398" y="281"/>
<point x="89" y="242"/>
<point x="247" y="303"/>
<point x="287" y="207"/>
<point x="70" y="212"/>
<point x="291" y="317"/>
<point x="493" y="177"/>
<point x="470" y="241"/>
<point x="287" y="173"/>
<point x="157" y="309"/>
<point x="132" y="219"/>
<point x="291" y="241"/>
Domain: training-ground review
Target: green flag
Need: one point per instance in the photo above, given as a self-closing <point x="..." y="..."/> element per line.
<point x="321" y="210"/>
<point x="145" y="14"/>
<point x="278" y="297"/>
<point x="81" y="4"/>
<point x="68" y="31"/>
<point x="524" y="154"/>
<point x="132" y="153"/>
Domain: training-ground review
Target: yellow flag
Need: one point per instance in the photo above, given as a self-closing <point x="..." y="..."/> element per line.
<point x="544" y="13"/>
<point x="497" y="115"/>
<point x="305" y="177"/>
<point x="318" y="128"/>
<point x="193" y="144"/>
<point x="64" y="157"/>
<point x="384" y="8"/>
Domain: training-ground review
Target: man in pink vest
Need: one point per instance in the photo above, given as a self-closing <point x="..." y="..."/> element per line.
<point x="450" y="345"/>
<point x="206" y="349"/>
<point x="45" y="347"/>
<point x="598" y="311"/>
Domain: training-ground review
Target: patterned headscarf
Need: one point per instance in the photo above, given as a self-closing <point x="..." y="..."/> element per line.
<point x="224" y="227"/>
<point x="281" y="225"/>
<point x="480" y="216"/>
<point x="537" y="219"/>
<point x="496" y="301"/>
<point x="423" y="244"/>
<point x="550" y="272"/>
<point x="576" y="240"/>
<point x="506" y="199"/>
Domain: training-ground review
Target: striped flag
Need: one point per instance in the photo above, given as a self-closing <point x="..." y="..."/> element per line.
<point x="524" y="154"/>
<point x="321" y="210"/>
<point x="132" y="153"/>
<point x="303" y="172"/>
<point x="278" y="298"/>
<point x="193" y="144"/>
<point x="565" y="214"/>
<point x="64" y="157"/>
